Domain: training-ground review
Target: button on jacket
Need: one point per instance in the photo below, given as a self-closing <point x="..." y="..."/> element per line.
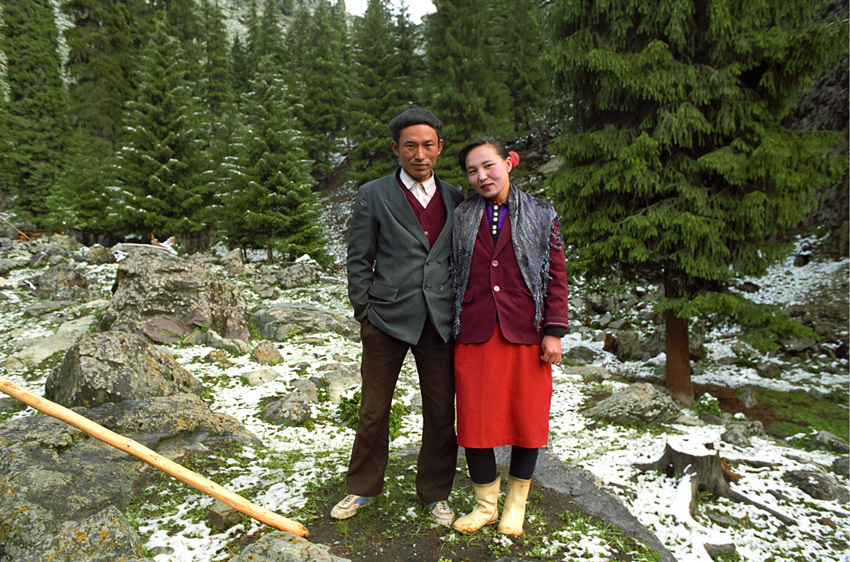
<point x="496" y="290"/>
<point x="396" y="278"/>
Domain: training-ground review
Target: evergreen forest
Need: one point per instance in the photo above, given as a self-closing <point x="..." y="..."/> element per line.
<point x="214" y="120"/>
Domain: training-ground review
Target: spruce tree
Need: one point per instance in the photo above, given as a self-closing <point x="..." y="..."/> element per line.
<point x="218" y="86"/>
<point x="241" y="71"/>
<point x="268" y="202"/>
<point x="37" y="107"/>
<point x="159" y="168"/>
<point x="269" y="42"/>
<point x="378" y="91"/>
<point x="519" y="39"/>
<point x="468" y="87"/>
<point x="324" y="78"/>
<point x="679" y="170"/>
<point x="100" y="70"/>
<point x="412" y="65"/>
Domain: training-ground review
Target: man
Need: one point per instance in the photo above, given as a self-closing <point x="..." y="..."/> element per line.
<point x="399" y="286"/>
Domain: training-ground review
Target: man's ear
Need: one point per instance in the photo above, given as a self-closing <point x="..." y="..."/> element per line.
<point x="440" y="146"/>
<point x="394" y="147"/>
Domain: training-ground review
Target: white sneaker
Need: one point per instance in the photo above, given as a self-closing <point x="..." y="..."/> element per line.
<point x="349" y="506"/>
<point x="442" y="513"/>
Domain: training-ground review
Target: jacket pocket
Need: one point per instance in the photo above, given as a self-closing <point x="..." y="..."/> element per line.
<point x="382" y="292"/>
<point x="468" y="295"/>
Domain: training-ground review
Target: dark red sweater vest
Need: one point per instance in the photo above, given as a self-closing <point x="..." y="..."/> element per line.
<point x="432" y="218"/>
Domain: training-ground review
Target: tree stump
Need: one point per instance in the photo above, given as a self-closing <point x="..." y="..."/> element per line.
<point x="708" y="473"/>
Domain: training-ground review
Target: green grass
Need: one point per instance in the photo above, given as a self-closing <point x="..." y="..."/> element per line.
<point x="395" y="520"/>
<point x="800" y="413"/>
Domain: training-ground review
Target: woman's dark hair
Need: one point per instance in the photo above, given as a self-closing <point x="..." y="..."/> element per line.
<point x="481" y="141"/>
<point x="414" y="116"/>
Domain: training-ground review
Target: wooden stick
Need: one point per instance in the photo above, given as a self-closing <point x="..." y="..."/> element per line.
<point x="168" y="466"/>
<point x="18" y="231"/>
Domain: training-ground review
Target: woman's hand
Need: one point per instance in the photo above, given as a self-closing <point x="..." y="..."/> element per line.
<point x="551" y="348"/>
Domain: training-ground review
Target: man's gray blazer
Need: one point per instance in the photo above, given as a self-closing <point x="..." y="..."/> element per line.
<point x="394" y="278"/>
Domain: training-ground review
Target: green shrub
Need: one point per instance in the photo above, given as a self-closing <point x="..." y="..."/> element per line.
<point x="708" y="403"/>
<point x="349" y="411"/>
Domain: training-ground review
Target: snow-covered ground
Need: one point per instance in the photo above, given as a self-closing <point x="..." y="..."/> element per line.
<point x="608" y="451"/>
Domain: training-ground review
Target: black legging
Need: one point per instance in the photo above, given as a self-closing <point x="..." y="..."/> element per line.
<point x="482" y="463"/>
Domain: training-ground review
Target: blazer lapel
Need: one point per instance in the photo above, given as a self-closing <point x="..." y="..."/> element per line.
<point x="504" y="238"/>
<point x="449" y="206"/>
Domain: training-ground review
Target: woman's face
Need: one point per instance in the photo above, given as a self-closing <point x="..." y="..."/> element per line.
<point x="488" y="173"/>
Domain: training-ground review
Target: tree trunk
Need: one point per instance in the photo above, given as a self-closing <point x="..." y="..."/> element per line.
<point x="678" y="353"/>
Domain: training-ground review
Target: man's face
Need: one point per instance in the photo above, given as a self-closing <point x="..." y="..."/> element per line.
<point x="417" y="150"/>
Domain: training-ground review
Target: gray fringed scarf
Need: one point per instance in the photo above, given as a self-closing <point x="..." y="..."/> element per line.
<point x="531" y="230"/>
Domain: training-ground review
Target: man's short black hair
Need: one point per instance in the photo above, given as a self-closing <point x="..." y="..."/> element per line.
<point x="414" y="116"/>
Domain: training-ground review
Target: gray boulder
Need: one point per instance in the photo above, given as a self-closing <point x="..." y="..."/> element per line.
<point x="300" y="274"/>
<point x="62" y="282"/>
<point x="53" y="474"/>
<point x="339" y="378"/>
<point x="841" y="466"/>
<point x="281" y="321"/>
<point x="627" y="346"/>
<point x="819" y="485"/>
<point x="153" y="284"/>
<point x="280" y="546"/>
<point x="739" y="433"/>
<point x="257" y="378"/>
<point x="106" y="536"/>
<point x="32" y="352"/>
<point x="637" y="403"/>
<point x="830" y="442"/>
<point x="116" y="366"/>
<point x="266" y="353"/>
<point x="98" y="255"/>
<point x="292" y="409"/>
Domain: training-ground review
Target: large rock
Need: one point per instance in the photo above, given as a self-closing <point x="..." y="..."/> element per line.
<point x="292" y="409"/>
<point x="281" y="321"/>
<point x="152" y="286"/>
<point x="280" y="546"/>
<point x="300" y="274"/>
<point x="818" y="485"/>
<point x="636" y="404"/>
<point x="116" y="366"/>
<point x="106" y="536"/>
<point x="32" y="352"/>
<point x="62" y="282"/>
<point x="53" y="476"/>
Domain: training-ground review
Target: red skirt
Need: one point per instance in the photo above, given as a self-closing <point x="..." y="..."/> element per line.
<point x="504" y="392"/>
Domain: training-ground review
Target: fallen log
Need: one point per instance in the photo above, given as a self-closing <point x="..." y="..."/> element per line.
<point x="156" y="460"/>
<point x="708" y="473"/>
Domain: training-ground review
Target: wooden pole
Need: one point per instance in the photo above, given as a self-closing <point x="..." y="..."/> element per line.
<point x="168" y="466"/>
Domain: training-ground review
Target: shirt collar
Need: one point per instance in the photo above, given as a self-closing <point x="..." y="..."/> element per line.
<point x="430" y="185"/>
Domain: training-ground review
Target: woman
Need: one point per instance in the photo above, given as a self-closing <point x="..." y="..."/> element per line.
<point x="510" y="284"/>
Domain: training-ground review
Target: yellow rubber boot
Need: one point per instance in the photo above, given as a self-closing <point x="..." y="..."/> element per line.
<point x="486" y="509"/>
<point x="513" y="515"/>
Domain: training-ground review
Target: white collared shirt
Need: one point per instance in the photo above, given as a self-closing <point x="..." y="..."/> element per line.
<point x="422" y="191"/>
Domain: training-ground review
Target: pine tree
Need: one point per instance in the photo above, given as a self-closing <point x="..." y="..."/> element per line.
<point x="269" y="41"/>
<point x="37" y="107"/>
<point x="159" y="168"/>
<point x="378" y="92"/>
<point x="679" y="170"/>
<point x="218" y="85"/>
<point x="239" y="62"/>
<point x="324" y="78"/>
<point x="520" y="38"/>
<point x="100" y="70"/>
<point x="412" y="64"/>
<point x="268" y="203"/>
<point x="469" y="93"/>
